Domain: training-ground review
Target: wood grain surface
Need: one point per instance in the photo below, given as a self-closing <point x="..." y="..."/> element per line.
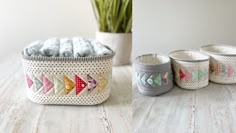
<point x="20" y="115"/>
<point x="208" y="110"/>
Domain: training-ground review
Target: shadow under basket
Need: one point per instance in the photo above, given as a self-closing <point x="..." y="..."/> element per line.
<point x="191" y="68"/>
<point x="153" y="74"/>
<point x="222" y="63"/>
<point x="68" y="80"/>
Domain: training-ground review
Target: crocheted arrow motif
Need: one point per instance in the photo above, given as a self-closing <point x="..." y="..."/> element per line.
<point x="194" y="75"/>
<point x="154" y="80"/>
<point x="102" y="83"/>
<point x="200" y="74"/>
<point x="157" y="80"/>
<point x="58" y="85"/>
<point x="92" y="83"/>
<point x="80" y="84"/>
<point x="181" y="74"/>
<point x="37" y="83"/>
<point x="170" y="76"/>
<point x="150" y="81"/>
<point x="143" y="79"/>
<point x="139" y="78"/>
<point x="223" y="70"/>
<point x="69" y="84"/>
<point x="166" y="78"/>
<point x="217" y="69"/>
<point x="29" y="81"/>
<point x="187" y="75"/>
<point x="47" y="84"/>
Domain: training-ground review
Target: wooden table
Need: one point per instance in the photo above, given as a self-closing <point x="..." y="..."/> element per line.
<point x="20" y="115"/>
<point x="207" y="110"/>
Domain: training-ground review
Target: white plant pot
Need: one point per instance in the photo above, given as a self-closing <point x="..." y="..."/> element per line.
<point x="121" y="43"/>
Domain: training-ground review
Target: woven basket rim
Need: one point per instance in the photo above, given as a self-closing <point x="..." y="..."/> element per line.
<point x="153" y="54"/>
<point x="188" y="60"/>
<point x="217" y="45"/>
<point x="89" y="58"/>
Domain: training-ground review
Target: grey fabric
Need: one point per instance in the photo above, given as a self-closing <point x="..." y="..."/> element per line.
<point x="82" y="48"/>
<point x="33" y="49"/>
<point x="100" y="49"/>
<point x="66" y="48"/>
<point x="149" y="70"/>
<point x="155" y="92"/>
<point x="51" y="47"/>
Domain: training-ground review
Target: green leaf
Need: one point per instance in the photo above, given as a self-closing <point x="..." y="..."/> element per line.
<point x="113" y="15"/>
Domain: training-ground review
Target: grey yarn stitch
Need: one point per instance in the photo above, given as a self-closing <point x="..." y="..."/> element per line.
<point x="82" y="48"/>
<point x="33" y="49"/>
<point x="66" y="48"/>
<point x="51" y="47"/>
<point x="99" y="48"/>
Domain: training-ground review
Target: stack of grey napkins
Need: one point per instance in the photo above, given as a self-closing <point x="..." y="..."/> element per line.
<point x="65" y="47"/>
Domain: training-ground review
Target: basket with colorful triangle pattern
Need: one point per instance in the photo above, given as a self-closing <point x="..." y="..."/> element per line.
<point x="67" y="80"/>
<point x="153" y="74"/>
<point x="222" y="63"/>
<point x="191" y="69"/>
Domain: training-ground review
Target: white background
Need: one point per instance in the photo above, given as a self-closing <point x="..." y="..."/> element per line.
<point x="24" y="21"/>
<point x="161" y="26"/>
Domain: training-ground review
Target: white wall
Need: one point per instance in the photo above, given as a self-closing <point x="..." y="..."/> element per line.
<point x="160" y="26"/>
<point x="24" y="21"/>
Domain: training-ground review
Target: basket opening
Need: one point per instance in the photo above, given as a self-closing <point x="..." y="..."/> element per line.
<point x="218" y="49"/>
<point x="188" y="55"/>
<point x="152" y="59"/>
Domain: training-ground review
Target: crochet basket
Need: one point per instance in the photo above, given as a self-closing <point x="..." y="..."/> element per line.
<point x="153" y="74"/>
<point x="222" y="63"/>
<point x="61" y="80"/>
<point x="191" y="69"/>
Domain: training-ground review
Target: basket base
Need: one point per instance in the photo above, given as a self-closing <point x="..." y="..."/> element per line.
<point x="69" y="99"/>
<point x="153" y="92"/>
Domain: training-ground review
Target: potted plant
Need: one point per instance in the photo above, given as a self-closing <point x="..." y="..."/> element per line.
<point x="114" y="18"/>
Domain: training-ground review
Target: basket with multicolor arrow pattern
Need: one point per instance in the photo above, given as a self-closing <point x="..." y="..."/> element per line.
<point x="191" y="69"/>
<point x="222" y="63"/>
<point x="61" y="80"/>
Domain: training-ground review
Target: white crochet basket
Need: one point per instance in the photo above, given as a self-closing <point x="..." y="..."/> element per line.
<point x="191" y="69"/>
<point x="61" y="80"/>
<point x="222" y="63"/>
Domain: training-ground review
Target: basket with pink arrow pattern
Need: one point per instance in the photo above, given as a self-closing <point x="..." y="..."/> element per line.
<point x="222" y="63"/>
<point x="191" y="69"/>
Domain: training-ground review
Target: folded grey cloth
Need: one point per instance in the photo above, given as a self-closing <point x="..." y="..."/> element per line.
<point x="99" y="48"/>
<point x="66" y="48"/>
<point x="51" y="47"/>
<point x="82" y="48"/>
<point x="33" y="49"/>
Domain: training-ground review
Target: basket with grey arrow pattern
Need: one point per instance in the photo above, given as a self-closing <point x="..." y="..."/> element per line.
<point x="153" y="74"/>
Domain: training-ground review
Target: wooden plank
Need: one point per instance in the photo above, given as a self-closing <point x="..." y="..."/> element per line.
<point x="215" y="109"/>
<point x="208" y="110"/>
<point x="167" y="113"/>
